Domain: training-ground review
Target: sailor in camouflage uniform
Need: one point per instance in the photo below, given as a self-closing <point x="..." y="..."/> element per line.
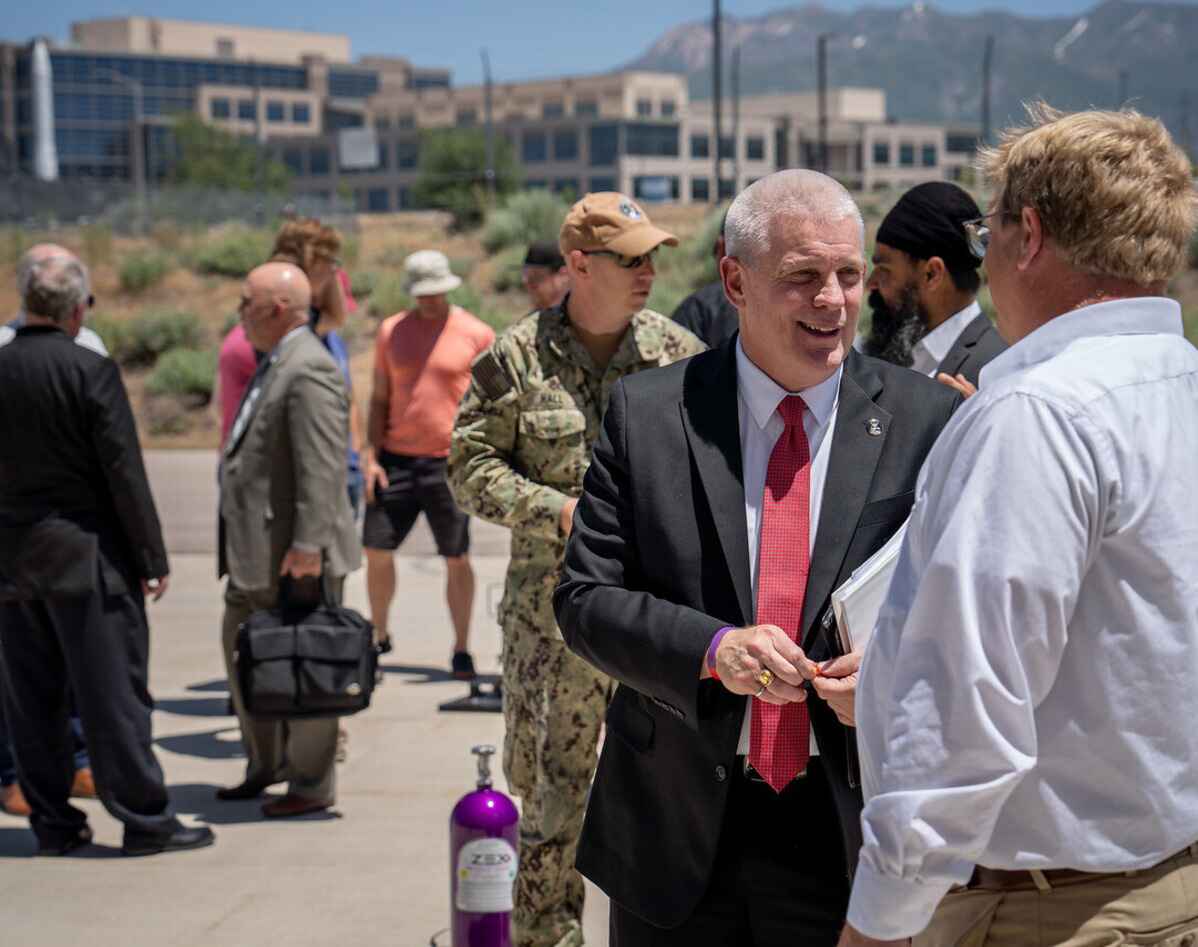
<point x="521" y="445"/>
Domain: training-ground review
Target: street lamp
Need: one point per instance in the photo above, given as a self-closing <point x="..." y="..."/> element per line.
<point x="137" y="152"/>
<point x="821" y="78"/>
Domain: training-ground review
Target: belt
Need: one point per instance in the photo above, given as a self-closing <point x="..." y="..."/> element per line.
<point x="1048" y="878"/>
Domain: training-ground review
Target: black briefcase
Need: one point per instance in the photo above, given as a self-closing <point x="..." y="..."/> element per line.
<point x="306" y="658"/>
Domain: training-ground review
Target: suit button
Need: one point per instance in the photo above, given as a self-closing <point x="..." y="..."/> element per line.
<point x="721" y="773"/>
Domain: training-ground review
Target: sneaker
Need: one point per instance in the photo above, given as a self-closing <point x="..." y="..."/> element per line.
<point x="384" y="644"/>
<point x="463" y="666"/>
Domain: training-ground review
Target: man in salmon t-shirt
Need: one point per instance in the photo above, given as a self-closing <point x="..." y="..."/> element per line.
<point x="422" y="361"/>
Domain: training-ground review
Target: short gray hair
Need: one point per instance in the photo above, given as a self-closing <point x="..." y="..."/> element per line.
<point x="54" y="287"/>
<point x="797" y="191"/>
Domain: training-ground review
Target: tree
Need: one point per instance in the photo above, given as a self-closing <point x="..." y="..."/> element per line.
<point x="453" y="163"/>
<point x="212" y="157"/>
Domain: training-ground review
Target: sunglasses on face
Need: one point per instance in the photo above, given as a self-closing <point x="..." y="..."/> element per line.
<point x="626" y="262"/>
<point x="977" y="233"/>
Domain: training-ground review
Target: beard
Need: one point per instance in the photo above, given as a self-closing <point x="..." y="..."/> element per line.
<point x="895" y="331"/>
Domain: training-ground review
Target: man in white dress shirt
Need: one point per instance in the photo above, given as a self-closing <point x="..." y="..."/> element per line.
<point x="923" y="289"/>
<point x="87" y="338"/>
<point x="1026" y="707"/>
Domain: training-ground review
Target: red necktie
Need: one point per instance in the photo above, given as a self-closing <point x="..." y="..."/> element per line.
<point x="779" y="743"/>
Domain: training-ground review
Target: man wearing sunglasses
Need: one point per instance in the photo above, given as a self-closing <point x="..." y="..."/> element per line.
<point x="521" y="445"/>
<point x="923" y="289"/>
<point x="88" y="338"/>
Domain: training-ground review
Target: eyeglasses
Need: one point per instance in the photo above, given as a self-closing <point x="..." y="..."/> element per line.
<point x="977" y="233"/>
<point x="625" y="262"/>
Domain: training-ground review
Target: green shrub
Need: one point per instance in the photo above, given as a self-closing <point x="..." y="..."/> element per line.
<point x="389" y="296"/>
<point x="166" y="414"/>
<point x="362" y="282"/>
<point x="142" y="340"/>
<point x="114" y="333"/>
<point x="233" y="252"/>
<point x="13" y="244"/>
<point x="97" y="244"/>
<point x="524" y="218"/>
<point x="509" y="270"/>
<point x="140" y="271"/>
<point x="185" y="373"/>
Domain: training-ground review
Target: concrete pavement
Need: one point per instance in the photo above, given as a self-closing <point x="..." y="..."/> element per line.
<point x="372" y="871"/>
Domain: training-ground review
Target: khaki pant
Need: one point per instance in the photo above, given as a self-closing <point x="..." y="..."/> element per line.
<point x="553" y="708"/>
<point x="301" y="751"/>
<point x="1157" y="906"/>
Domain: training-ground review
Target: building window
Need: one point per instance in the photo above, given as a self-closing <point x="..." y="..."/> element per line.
<point x="219" y="108"/>
<point x="700" y="146"/>
<point x="301" y="113"/>
<point x="727" y="189"/>
<point x="404" y="199"/>
<point x="586" y="108"/>
<point x="378" y="200"/>
<point x="668" y="108"/>
<point x="407" y="154"/>
<point x="246" y="110"/>
<point x="344" y="84"/>
<point x="274" y="110"/>
<point x="927" y="156"/>
<point x="605" y="146"/>
<point x="467" y="117"/>
<point x="318" y="161"/>
<point x="907" y="155"/>
<point x="960" y="144"/>
<point x="655" y="187"/>
<point x="225" y="48"/>
<point x="565" y="145"/>
<point x="293" y="158"/>
<point x="553" y="110"/>
<point x="534" y="147"/>
<point x="700" y="189"/>
<point x="882" y="152"/>
<point x="644" y="140"/>
<point x="536" y="184"/>
<point x="727" y="147"/>
<point x="382" y="123"/>
<point x="384" y="155"/>
<point x="566" y="186"/>
<point x="755" y="148"/>
<point x="406" y="121"/>
<point x="644" y="107"/>
<point x="603" y="184"/>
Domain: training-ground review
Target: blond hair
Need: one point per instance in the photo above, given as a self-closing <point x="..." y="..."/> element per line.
<point x="1112" y="190"/>
<point x="304" y="242"/>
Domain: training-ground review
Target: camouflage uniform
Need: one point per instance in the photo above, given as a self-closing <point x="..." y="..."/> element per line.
<point x="521" y="445"/>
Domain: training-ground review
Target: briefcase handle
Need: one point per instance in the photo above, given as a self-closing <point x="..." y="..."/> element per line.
<point x="307" y="592"/>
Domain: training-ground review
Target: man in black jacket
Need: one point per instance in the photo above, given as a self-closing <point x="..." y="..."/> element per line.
<point x="80" y="547"/>
<point x="728" y="495"/>
<point x="706" y="312"/>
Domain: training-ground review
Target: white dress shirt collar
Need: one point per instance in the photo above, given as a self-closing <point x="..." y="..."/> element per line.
<point x="763" y="395"/>
<point x="1151" y="315"/>
<point x="934" y="347"/>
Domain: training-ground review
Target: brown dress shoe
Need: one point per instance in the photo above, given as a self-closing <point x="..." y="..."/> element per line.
<point x="13" y="801"/>
<point x="290" y="805"/>
<point x="83" y="786"/>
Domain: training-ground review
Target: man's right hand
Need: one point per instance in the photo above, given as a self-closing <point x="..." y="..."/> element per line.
<point x="375" y="474"/>
<point x="566" y="521"/>
<point x="745" y="652"/>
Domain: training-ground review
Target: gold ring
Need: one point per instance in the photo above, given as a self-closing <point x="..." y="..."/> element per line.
<point x="765" y="678"/>
<point x="759" y="693"/>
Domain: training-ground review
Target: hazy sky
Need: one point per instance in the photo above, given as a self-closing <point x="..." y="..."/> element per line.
<point x="526" y="38"/>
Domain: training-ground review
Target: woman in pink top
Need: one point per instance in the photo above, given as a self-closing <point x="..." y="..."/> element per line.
<point x="236" y="365"/>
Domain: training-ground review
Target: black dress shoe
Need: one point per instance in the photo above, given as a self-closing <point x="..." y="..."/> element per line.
<point x="183" y="838"/>
<point x="246" y="790"/>
<point x="52" y="846"/>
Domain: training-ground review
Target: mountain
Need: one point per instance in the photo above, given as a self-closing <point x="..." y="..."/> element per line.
<point x="929" y="61"/>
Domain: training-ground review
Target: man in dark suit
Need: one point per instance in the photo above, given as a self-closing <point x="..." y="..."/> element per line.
<point x="706" y="312"/>
<point x="923" y="289"/>
<point x="284" y="510"/>
<point x="727" y="497"/>
<point x="80" y="547"/>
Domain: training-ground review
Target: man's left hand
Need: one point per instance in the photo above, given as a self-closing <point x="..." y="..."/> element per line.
<point x="154" y="589"/>
<point x="850" y="937"/>
<point x="837" y="685"/>
<point x="297" y="563"/>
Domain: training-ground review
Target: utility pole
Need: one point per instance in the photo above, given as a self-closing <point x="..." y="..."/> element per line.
<point x="987" y="77"/>
<point x="717" y="69"/>
<point x="821" y="85"/>
<point x="489" y="173"/>
<point x="1124" y="86"/>
<point x="736" y="119"/>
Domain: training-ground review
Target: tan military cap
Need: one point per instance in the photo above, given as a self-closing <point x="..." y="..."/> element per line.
<point x="610" y="221"/>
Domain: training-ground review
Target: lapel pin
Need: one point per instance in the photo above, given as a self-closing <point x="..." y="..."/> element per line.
<point x="873" y="427"/>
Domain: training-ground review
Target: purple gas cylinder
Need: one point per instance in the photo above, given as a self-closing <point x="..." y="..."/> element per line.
<point x="483" y="836"/>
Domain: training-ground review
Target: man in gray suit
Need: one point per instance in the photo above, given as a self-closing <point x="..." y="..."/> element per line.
<point x="284" y="511"/>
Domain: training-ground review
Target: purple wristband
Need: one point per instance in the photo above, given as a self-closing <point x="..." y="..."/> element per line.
<point x="713" y="647"/>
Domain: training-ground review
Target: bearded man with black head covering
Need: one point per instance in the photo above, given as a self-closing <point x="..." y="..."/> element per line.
<point x="923" y="289"/>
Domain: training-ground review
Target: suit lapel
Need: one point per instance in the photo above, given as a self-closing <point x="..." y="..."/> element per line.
<point x="712" y="424"/>
<point x="270" y="369"/>
<point x="952" y="362"/>
<point x="855" y="454"/>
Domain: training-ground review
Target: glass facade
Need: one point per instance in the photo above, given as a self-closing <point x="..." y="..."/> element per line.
<point x="565" y="145"/>
<point x="906" y="155"/>
<point x="534" y="147"/>
<point x="605" y="145"/>
<point x="644" y="139"/>
<point x="353" y="84"/>
<point x="927" y="156"/>
<point x="882" y="152"/>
